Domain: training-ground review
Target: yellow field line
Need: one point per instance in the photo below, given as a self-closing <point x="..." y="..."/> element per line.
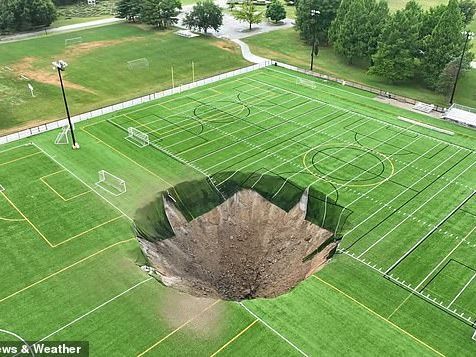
<point x="20" y="158"/>
<point x="64" y="269"/>
<point x="399" y="306"/>
<point x="127" y="157"/>
<point x="12" y="219"/>
<point x="177" y="329"/>
<point x="25" y="217"/>
<point x="378" y="315"/>
<point x="61" y="196"/>
<point x="53" y="173"/>
<point x="87" y="231"/>
<point x="234" y="338"/>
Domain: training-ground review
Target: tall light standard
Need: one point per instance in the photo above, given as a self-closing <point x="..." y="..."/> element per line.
<point x="61" y="66"/>
<point x="314" y="14"/>
<point x="469" y="36"/>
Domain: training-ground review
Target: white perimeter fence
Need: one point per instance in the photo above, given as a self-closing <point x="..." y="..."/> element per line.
<point x="130" y="103"/>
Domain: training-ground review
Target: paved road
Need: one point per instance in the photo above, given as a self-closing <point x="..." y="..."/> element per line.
<point x="68" y="28"/>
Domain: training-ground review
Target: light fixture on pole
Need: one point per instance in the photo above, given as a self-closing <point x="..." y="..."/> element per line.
<point x="60" y="66"/>
<point x="468" y="37"/>
<point x="314" y="48"/>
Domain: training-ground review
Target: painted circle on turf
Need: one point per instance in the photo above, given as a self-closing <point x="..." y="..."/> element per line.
<point x="222" y="112"/>
<point x="348" y="165"/>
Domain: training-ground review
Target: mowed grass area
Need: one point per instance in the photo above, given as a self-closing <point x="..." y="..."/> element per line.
<point x="98" y="74"/>
<point x="71" y="263"/>
<point x="286" y="46"/>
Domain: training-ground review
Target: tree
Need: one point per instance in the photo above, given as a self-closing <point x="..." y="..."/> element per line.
<point x="247" y="12"/>
<point x="160" y="13"/>
<point x="23" y="15"/>
<point x="275" y="11"/>
<point x="128" y="9"/>
<point x="376" y="20"/>
<point x="468" y="8"/>
<point x="328" y="10"/>
<point x="204" y="15"/>
<point x="443" y="45"/>
<point x="395" y="58"/>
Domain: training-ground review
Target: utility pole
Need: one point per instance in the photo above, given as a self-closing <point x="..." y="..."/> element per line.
<point x="469" y="36"/>
<point x="60" y="66"/>
<point x="314" y="14"/>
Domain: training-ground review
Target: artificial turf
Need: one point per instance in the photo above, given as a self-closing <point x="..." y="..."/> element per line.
<point x="403" y="183"/>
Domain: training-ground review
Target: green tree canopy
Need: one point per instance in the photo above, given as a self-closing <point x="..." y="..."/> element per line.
<point x="128" y="9"/>
<point x="443" y="45"/>
<point x="395" y="58"/>
<point x="275" y="11"/>
<point x="248" y="13"/>
<point x="468" y="8"/>
<point x="328" y="10"/>
<point x="204" y="15"/>
<point x="23" y="15"/>
<point x="160" y="13"/>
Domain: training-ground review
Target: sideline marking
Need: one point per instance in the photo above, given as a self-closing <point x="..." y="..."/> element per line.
<point x="65" y="268"/>
<point x="234" y="338"/>
<point x="378" y="315"/>
<point x="20" y="158"/>
<point x="26" y="219"/>
<point x="177" y="329"/>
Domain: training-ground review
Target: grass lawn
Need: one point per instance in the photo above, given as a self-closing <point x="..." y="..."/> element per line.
<point x="63" y="21"/>
<point x="285" y="46"/>
<point x="98" y="74"/>
<point x="70" y="262"/>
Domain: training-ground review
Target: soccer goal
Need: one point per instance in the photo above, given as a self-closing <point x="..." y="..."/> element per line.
<point x="110" y="183"/>
<point x="137" y="137"/>
<point x="474" y="335"/>
<point x="306" y="82"/>
<point x="73" y="41"/>
<point x="138" y="64"/>
<point x="62" y="138"/>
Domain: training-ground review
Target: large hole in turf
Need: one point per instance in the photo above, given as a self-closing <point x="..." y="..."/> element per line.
<point x="251" y="238"/>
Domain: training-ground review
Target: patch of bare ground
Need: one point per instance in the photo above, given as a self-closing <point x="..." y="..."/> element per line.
<point x="407" y="106"/>
<point x="225" y="45"/>
<point x="244" y="248"/>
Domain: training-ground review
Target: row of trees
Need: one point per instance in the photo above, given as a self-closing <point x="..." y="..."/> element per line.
<point x="23" y="15"/>
<point x="411" y="43"/>
<point x="158" y="13"/>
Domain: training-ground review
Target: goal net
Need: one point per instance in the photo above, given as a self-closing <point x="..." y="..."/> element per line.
<point x="137" y="64"/>
<point x="72" y="41"/>
<point x="137" y="137"/>
<point x="306" y="82"/>
<point x="110" y="183"/>
<point x="62" y="138"/>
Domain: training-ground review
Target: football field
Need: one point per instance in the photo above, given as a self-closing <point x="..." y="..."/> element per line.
<point x="404" y="278"/>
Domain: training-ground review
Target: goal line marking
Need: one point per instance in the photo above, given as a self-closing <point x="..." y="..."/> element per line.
<point x="42" y="179"/>
<point x="234" y="338"/>
<point x="378" y="315"/>
<point x="65" y="269"/>
<point x="178" y="328"/>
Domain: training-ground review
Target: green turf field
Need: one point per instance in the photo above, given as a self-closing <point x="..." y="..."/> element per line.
<point x="98" y="74"/>
<point x="403" y="282"/>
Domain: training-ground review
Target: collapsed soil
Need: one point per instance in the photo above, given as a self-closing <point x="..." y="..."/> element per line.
<point x="244" y="248"/>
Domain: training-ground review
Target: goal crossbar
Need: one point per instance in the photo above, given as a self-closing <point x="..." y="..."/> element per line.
<point x="137" y="137"/>
<point x="62" y="137"/>
<point x="140" y="63"/>
<point x="72" y="41"/>
<point x="111" y="183"/>
<point x="306" y="82"/>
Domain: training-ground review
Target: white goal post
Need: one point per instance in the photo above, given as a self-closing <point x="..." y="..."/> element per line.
<point x="137" y="137"/>
<point x="62" y="138"/>
<point x="140" y="63"/>
<point x="306" y="82"/>
<point x="110" y="183"/>
<point x="474" y="335"/>
<point x="72" y="41"/>
<point x="2" y="188"/>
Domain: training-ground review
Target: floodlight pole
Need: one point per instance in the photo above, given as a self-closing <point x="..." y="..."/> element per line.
<point x="314" y="14"/>
<point x="469" y="36"/>
<point x="60" y="67"/>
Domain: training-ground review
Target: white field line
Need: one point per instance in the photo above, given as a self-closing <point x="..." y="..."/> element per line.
<point x="401" y="193"/>
<point x="339" y="185"/>
<point x="83" y="182"/>
<point x="15" y="147"/>
<point x="337" y="107"/>
<point x="417" y="209"/>
<point x="252" y="146"/>
<point x="273" y="330"/>
<point x="434" y="227"/>
<point x="93" y="310"/>
<point x="462" y="290"/>
<point x="444" y="259"/>
<point x="198" y="121"/>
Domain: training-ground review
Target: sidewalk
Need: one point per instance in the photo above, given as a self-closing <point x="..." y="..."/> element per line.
<point x="246" y="53"/>
<point x="67" y="28"/>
